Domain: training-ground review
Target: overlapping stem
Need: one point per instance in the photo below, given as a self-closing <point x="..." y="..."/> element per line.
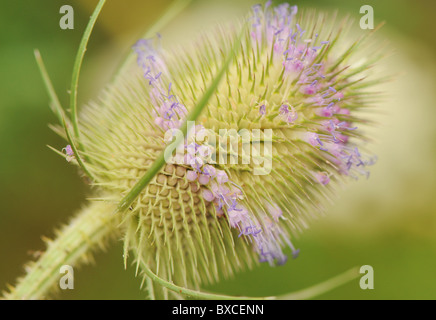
<point x="91" y="229"/>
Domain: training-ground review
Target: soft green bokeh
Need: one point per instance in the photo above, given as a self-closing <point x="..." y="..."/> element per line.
<point x="388" y="221"/>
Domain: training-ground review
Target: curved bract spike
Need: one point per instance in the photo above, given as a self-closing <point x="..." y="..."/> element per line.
<point x="304" y="294"/>
<point x="60" y="113"/>
<point x="76" y="70"/>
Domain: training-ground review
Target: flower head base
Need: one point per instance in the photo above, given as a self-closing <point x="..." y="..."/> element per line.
<point x="199" y="220"/>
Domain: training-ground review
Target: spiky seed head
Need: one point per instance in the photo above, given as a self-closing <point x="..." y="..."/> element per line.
<point x="199" y="220"/>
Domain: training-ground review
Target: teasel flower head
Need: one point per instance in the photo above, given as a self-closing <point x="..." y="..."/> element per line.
<point x="281" y="131"/>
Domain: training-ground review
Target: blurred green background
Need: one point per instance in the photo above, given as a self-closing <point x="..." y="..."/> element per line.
<point x="388" y="221"/>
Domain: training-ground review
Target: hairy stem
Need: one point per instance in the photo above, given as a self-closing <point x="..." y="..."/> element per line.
<point x="89" y="230"/>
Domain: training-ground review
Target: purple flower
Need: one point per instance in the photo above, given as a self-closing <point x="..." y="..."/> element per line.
<point x="313" y="139"/>
<point x="69" y="153"/>
<point x="221" y="176"/>
<point x="191" y="175"/>
<point x="262" y="110"/>
<point x="203" y="179"/>
<point x="208" y="195"/>
<point x="288" y="113"/>
<point x="209" y="170"/>
<point x="322" y="178"/>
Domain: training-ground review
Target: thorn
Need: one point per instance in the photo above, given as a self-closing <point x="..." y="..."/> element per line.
<point x="262" y="80"/>
<point x="264" y="93"/>
<point x="254" y="83"/>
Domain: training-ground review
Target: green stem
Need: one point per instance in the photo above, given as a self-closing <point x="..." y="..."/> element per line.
<point x="76" y="152"/>
<point x="77" y="67"/>
<point x="193" y="293"/>
<point x="60" y="112"/>
<point x="308" y="293"/>
<point x="91" y="229"/>
<point x="56" y="104"/>
<point x="323" y="287"/>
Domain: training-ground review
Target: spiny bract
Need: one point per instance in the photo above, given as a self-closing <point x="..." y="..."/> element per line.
<point x="199" y="220"/>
